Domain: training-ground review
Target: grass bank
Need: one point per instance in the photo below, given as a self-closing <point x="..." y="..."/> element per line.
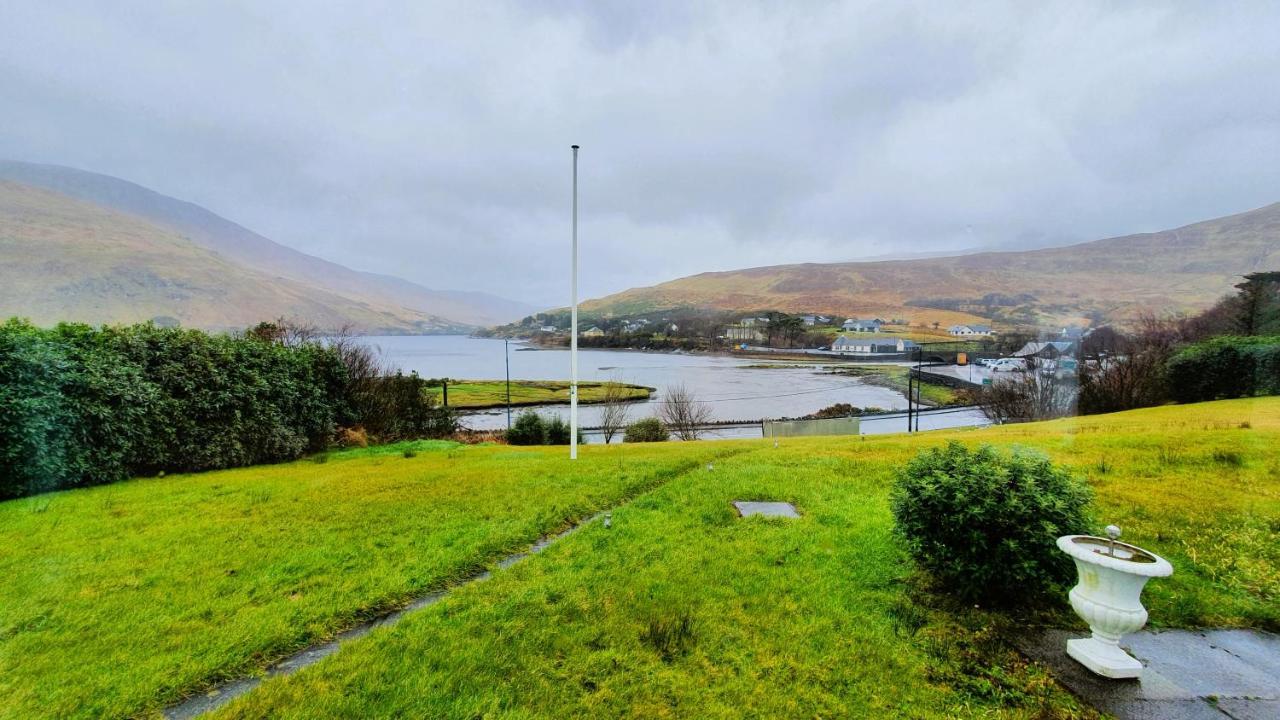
<point x="123" y="596"/>
<point x="481" y="394"/>
<point x="895" y="377"/>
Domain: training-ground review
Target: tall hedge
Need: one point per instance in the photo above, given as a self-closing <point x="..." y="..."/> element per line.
<point x="1226" y="367"/>
<point x="82" y="406"/>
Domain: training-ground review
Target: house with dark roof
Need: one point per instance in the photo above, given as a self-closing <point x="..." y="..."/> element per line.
<point x="1047" y="350"/>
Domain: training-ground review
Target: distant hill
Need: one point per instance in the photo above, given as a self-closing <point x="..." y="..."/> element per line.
<point x="68" y="259"/>
<point x="1180" y="270"/>
<point x="247" y="248"/>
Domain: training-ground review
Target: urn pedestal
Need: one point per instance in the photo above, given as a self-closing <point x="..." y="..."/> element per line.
<point x="1108" y="597"/>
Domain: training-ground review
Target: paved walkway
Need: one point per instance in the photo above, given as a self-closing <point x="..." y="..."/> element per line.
<point x="1190" y="674"/>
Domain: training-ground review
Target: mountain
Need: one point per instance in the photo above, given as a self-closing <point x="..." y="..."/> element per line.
<point x="1180" y="270"/>
<point x="247" y="248"/>
<point x="68" y="259"/>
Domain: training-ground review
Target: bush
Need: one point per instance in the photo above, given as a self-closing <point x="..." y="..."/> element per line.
<point x="985" y="524"/>
<point x="558" y="432"/>
<point x="1225" y="367"/>
<point x="646" y="430"/>
<point x="528" y="429"/>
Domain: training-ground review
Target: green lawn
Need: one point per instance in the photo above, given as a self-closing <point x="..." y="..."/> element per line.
<point x="122" y="597"/>
<point x="478" y="394"/>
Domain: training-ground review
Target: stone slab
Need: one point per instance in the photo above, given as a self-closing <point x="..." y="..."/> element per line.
<point x="767" y="509"/>
<point x="1189" y="675"/>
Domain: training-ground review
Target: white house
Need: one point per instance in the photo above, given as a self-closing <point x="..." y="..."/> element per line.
<point x="868" y="346"/>
<point x="809" y="320"/>
<point x="548" y="328"/>
<point x="969" y="330"/>
<point x="854" y="325"/>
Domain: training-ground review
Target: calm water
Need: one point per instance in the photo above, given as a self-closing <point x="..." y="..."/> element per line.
<point x="731" y="389"/>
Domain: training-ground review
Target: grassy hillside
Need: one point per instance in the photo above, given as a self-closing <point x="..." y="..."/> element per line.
<point x="66" y="259"/>
<point x="1176" y="270"/>
<point x="245" y="247"/>
<point x="121" y="598"/>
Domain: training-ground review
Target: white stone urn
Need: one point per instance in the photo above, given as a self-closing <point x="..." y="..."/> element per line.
<point x="1108" y="597"/>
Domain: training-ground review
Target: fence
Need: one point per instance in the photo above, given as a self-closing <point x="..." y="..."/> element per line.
<point x="797" y="428"/>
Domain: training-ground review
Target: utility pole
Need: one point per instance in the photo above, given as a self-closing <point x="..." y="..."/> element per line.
<point x="506" y="354"/>
<point x="573" y="333"/>
<point x="910" y="395"/>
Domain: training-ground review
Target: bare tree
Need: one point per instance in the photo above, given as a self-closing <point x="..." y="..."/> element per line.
<point x="1031" y="395"/>
<point x="613" y="410"/>
<point x="683" y="413"/>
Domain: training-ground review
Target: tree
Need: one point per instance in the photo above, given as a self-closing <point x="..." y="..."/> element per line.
<point x="613" y="410"/>
<point x="683" y="413"/>
<point x="1031" y="395"/>
<point x="1259" y="303"/>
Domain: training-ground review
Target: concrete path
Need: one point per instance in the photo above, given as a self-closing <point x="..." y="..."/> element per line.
<point x="1190" y="674"/>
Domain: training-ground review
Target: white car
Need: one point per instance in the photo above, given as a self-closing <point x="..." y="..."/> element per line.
<point x="1009" y="365"/>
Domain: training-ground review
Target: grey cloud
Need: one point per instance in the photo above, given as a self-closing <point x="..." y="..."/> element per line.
<point x="431" y="140"/>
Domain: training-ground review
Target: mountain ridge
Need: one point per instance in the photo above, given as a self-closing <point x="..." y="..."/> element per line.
<point x="69" y="259"/>
<point x="244" y="246"/>
<point x="1112" y="279"/>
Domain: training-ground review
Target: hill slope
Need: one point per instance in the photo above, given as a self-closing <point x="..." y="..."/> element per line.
<point x="243" y="246"/>
<point x="1175" y="270"/>
<point x="67" y="259"/>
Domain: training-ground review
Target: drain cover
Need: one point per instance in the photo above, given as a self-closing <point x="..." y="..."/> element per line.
<point x="767" y="509"/>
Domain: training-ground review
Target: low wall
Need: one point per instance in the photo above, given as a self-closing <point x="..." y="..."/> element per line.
<point x="826" y="426"/>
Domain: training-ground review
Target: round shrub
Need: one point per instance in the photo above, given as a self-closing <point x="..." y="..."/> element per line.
<point x="648" y="429"/>
<point x="984" y="523"/>
<point x="558" y="432"/>
<point x="528" y="429"/>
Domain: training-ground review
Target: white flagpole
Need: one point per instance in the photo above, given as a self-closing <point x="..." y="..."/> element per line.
<point x="573" y="337"/>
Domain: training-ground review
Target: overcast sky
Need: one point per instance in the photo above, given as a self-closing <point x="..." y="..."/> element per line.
<point x="431" y="140"/>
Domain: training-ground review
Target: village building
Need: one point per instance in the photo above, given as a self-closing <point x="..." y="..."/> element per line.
<point x="969" y="330"/>
<point x="869" y="346"/>
<point x="1047" y="350"/>
<point x="856" y="325"/>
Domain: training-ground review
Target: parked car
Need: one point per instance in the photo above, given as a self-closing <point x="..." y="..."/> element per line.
<point x="1009" y="365"/>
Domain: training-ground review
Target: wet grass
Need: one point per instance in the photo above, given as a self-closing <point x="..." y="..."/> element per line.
<point x="681" y="609"/>
<point x="894" y="377"/>
<point x="119" y="599"/>
<point x="478" y="394"/>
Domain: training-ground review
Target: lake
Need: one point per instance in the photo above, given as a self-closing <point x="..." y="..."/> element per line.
<point x="733" y="390"/>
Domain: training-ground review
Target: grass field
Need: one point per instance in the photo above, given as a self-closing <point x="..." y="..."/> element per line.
<point x="478" y="394"/>
<point x="120" y="598"/>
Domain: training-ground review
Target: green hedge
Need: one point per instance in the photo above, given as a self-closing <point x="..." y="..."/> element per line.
<point x="82" y="406"/>
<point x="1226" y="367"/>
